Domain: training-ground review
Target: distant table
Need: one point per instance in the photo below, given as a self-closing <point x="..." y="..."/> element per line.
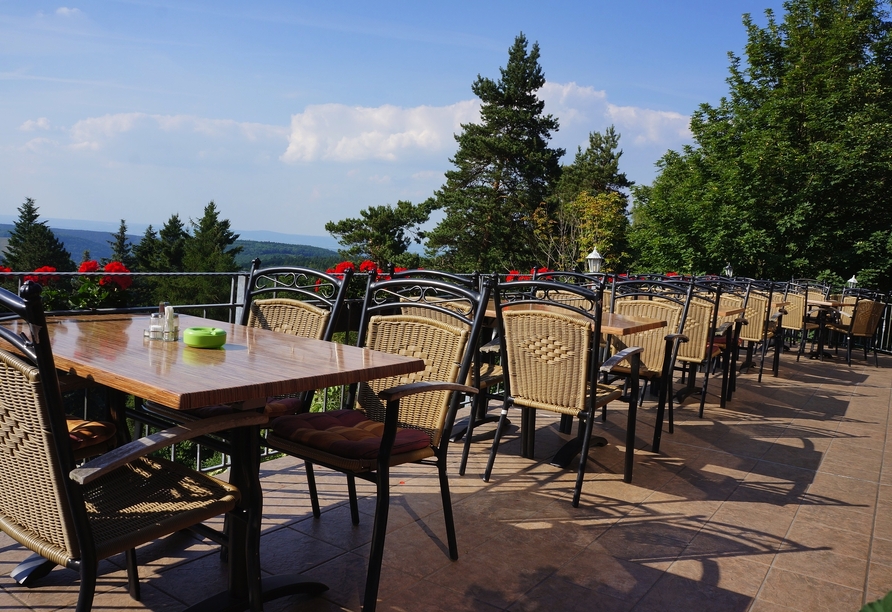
<point x="253" y="365"/>
<point x="824" y="307"/>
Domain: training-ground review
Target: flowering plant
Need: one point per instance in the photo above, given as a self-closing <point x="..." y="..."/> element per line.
<point x="95" y="292"/>
<point x="514" y="275"/>
<point x="53" y="297"/>
<point x="357" y="286"/>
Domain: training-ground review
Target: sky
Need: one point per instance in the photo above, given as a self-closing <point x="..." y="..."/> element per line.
<point x="290" y="114"/>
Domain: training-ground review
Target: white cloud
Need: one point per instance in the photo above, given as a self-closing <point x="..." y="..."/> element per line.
<point x="64" y="11"/>
<point x="336" y="132"/>
<point x="30" y="125"/>
<point x="578" y="107"/>
<point x="96" y="132"/>
<point x="651" y="126"/>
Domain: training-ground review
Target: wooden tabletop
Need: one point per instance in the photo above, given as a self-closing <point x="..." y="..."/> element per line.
<point x="611" y="323"/>
<point x="253" y="364"/>
<point x="730" y="311"/>
<point x="825" y="303"/>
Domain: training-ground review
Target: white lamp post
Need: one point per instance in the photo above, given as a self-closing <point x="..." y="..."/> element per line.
<point x="729" y="271"/>
<point x="593" y="261"/>
<point x="852" y="282"/>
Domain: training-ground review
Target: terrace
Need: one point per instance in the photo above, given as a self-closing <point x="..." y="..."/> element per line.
<point x="781" y="501"/>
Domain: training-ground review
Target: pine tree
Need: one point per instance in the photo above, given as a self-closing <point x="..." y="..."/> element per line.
<point x="504" y="172"/>
<point x="32" y="244"/>
<point x="173" y="237"/>
<point x="122" y="250"/>
<point x="147" y="252"/>
<point x="210" y="250"/>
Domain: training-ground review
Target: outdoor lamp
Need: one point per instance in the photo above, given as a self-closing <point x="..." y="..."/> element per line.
<point x="593" y="261"/>
<point x="852" y="282"/>
<point x="729" y="271"/>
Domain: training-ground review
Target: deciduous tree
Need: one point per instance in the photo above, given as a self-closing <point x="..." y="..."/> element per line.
<point x="790" y="173"/>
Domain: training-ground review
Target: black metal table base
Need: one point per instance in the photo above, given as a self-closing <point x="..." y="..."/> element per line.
<point x="565" y="455"/>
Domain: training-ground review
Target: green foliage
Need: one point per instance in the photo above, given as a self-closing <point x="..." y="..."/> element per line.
<point x="382" y="233"/>
<point x="208" y="250"/>
<point x="504" y="171"/>
<point x="588" y="209"/>
<point x="791" y="171"/>
<point x="32" y="244"/>
<point x="880" y="605"/>
<point x="122" y="250"/>
<point x="279" y="254"/>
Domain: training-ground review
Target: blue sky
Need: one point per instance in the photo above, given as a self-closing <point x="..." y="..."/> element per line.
<point x="292" y="114"/>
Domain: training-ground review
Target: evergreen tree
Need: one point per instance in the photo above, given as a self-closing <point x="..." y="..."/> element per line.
<point x="173" y="237"/>
<point x="504" y="171"/>
<point x="210" y="250"/>
<point x="382" y="233"/>
<point x="147" y="252"/>
<point x="790" y="173"/>
<point x="32" y="244"/>
<point x="122" y="250"/>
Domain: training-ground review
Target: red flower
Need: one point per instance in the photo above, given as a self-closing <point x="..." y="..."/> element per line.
<point x="91" y="265"/>
<point x="4" y="269"/>
<point x="513" y="275"/>
<point x="43" y="279"/>
<point x="368" y="266"/>
<point x="123" y="282"/>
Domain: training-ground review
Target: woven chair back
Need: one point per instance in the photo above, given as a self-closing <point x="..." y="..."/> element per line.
<point x="653" y="342"/>
<point x="441" y="346"/>
<point x="289" y="317"/>
<point x="757" y="313"/>
<point x="697" y="326"/>
<point x="548" y="359"/>
<point x="295" y="300"/>
<point x="33" y="502"/>
<point x="795" y="310"/>
<point x="868" y="314"/>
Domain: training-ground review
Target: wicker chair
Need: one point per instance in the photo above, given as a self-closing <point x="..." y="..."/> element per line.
<point x="486" y="376"/>
<point x="553" y="364"/>
<point x="653" y="300"/>
<point x="417" y="411"/>
<point x="77" y="516"/>
<point x="862" y="323"/>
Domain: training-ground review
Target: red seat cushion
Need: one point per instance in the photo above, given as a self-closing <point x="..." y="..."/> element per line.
<point x="84" y="434"/>
<point x="345" y="433"/>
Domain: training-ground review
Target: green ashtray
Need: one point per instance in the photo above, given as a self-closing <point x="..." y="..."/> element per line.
<point x="204" y="337"/>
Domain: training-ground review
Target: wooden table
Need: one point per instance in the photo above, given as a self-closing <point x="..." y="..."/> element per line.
<point x="253" y="365"/>
<point x="824" y="307"/>
<point x="611" y="323"/>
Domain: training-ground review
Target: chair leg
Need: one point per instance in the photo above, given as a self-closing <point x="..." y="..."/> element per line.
<point x="495" y="443"/>
<point x="354" y="504"/>
<point x="132" y="573"/>
<point x="583" y="454"/>
<point x="379" y="531"/>
<point x="311" y="485"/>
<point x="87" y="588"/>
<point x="446" y="496"/>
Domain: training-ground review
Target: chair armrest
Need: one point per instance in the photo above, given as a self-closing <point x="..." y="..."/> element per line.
<point x="395" y="393"/>
<point x="679" y="337"/>
<point x="624" y="354"/>
<point x="123" y="455"/>
<point x="722" y="329"/>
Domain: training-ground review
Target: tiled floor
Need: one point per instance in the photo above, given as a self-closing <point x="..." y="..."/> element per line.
<point x="781" y="501"/>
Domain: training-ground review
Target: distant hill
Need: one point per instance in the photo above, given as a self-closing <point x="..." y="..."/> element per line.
<point x="270" y="253"/>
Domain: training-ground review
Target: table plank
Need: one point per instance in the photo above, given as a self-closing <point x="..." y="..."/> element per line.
<point x="253" y="364"/>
